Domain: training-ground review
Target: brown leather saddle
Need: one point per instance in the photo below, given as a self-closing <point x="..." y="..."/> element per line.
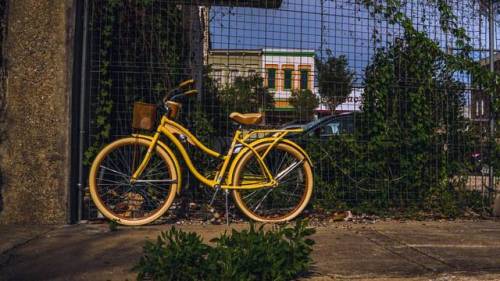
<point x="247" y="118"/>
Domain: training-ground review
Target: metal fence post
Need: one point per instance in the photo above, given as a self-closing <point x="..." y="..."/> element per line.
<point x="82" y="110"/>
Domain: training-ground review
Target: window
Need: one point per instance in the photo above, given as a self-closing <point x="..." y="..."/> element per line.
<point x="330" y="129"/>
<point x="271" y="78"/>
<point x="217" y="75"/>
<point x="233" y="75"/>
<point x="288" y="79"/>
<point x="304" y="79"/>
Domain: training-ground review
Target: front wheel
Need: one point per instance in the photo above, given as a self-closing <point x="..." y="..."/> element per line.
<point x="284" y="202"/>
<point x="129" y="203"/>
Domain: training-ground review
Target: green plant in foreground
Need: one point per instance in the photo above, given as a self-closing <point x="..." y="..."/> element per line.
<point x="282" y="253"/>
<point x="113" y="225"/>
<point x="176" y="255"/>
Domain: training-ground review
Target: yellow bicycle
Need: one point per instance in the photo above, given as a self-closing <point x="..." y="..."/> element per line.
<point x="134" y="179"/>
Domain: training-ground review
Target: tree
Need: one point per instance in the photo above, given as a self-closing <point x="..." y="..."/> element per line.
<point x="246" y="94"/>
<point x="415" y="111"/>
<point x="334" y="79"/>
<point x="304" y="102"/>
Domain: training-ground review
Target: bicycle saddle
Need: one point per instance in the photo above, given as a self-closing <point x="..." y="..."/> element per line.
<point x="247" y="118"/>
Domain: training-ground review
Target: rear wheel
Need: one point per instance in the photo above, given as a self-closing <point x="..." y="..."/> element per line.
<point x="132" y="203"/>
<point x="274" y="204"/>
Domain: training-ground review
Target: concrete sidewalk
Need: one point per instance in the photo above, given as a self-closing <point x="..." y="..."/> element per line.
<point x="457" y="250"/>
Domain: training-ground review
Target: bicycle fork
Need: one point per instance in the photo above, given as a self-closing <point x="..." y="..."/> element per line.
<point x="145" y="161"/>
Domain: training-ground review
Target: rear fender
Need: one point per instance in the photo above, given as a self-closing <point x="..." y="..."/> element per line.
<point x="255" y="144"/>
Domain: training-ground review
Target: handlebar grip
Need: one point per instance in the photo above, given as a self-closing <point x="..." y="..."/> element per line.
<point x="186" y="83"/>
<point x="191" y="93"/>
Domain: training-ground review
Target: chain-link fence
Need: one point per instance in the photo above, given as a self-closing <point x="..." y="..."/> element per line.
<point x="392" y="120"/>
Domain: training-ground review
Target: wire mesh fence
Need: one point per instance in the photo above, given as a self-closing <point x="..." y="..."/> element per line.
<point x="389" y="125"/>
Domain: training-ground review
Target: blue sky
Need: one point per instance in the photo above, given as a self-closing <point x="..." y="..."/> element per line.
<point x="347" y="27"/>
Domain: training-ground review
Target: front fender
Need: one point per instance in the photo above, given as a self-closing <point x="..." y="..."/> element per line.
<point x="256" y="143"/>
<point x="170" y="153"/>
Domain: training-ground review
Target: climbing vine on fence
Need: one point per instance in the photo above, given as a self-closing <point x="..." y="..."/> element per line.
<point x="123" y="77"/>
<point x="460" y="62"/>
<point x="104" y="102"/>
<point x="408" y="152"/>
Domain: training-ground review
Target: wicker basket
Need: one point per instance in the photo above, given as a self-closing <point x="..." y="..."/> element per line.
<point x="144" y="116"/>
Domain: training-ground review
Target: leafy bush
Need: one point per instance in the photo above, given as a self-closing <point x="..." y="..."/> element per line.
<point x="176" y="255"/>
<point x="254" y="254"/>
<point x="282" y="253"/>
<point x="363" y="177"/>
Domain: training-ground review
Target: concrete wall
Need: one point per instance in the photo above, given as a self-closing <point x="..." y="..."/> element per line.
<point x="34" y="158"/>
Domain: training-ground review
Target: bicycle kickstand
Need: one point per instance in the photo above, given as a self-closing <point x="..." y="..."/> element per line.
<point x="213" y="197"/>
<point x="227" y="206"/>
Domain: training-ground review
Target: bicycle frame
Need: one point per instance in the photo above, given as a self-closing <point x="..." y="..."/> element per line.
<point x="174" y="131"/>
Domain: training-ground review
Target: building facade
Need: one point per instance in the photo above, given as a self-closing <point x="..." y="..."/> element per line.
<point x="283" y="70"/>
<point x="225" y="65"/>
<point x="288" y="70"/>
<point x="352" y="103"/>
<point x="481" y="102"/>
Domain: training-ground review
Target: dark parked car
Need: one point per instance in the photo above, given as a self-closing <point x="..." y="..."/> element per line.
<point x="328" y="126"/>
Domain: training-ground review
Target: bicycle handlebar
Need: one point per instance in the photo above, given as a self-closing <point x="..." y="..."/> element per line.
<point x="186" y="83"/>
<point x="190" y="93"/>
<point x="178" y="92"/>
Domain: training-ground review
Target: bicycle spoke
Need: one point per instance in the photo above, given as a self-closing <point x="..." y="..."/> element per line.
<point x="114" y="171"/>
<point x="250" y="195"/>
<point x="262" y="200"/>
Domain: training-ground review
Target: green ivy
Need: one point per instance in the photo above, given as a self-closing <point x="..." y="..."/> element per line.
<point x="103" y="102"/>
<point x="159" y="44"/>
<point x="462" y="61"/>
<point x="408" y="152"/>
